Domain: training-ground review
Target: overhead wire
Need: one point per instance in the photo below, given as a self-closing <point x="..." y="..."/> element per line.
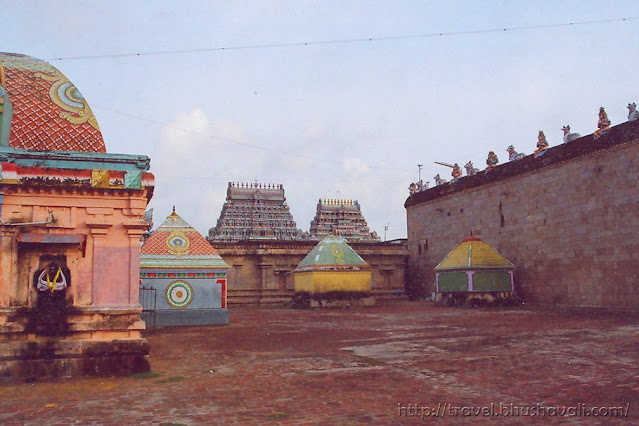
<point x="371" y="39"/>
<point x="311" y="43"/>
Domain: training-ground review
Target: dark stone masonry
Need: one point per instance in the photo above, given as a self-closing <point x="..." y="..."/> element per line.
<point x="567" y="220"/>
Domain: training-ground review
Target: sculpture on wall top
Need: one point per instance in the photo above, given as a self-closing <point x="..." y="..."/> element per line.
<point x="569" y="137"/>
<point x="542" y="144"/>
<point x="514" y="155"/>
<point x="470" y="169"/>
<point x="416" y="187"/>
<point x="456" y="173"/>
<point x="439" y="180"/>
<point x="492" y="160"/>
<point x="633" y="114"/>
<point x="603" y="124"/>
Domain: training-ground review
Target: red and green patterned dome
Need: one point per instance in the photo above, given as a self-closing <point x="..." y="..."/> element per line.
<point x="40" y="109"/>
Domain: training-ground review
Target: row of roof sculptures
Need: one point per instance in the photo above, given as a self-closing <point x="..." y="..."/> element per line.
<point x="255" y="185"/>
<point x="603" y="126"/>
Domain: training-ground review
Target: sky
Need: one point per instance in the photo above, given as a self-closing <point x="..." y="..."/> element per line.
<point x="342" y="116"/>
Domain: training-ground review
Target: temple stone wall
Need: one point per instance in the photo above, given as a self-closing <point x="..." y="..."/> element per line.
<point x="568" y="220"/>
<point x="261" y="272"/>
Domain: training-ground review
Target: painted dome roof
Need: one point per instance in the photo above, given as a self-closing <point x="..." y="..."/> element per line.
<point x="332" y="253"/>
<point x="473" y="253"/>
<point x="175" y="243"/>
<point x="40" y="109"/>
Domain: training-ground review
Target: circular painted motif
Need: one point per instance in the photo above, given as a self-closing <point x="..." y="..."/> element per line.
<point x="177" y="242"/>
<point x="70" y="95"/>
<point x="179" y="294"/>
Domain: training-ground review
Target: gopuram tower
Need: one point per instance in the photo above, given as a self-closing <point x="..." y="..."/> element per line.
<point x="343" y="218"/>
<point x="255" y="211"/>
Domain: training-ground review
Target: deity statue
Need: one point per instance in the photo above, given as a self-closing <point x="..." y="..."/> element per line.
<point x="514" y="155"/>
<point x="412" y="188"/>
<point x="416" y="187"/>
<point x="633" y="114"/>
<point x="603" y="124"/>
<point x="456" y="173"/>
<point x="542" y="144"/>
<point x="569" y="137"/>
<point x="52" y="278"/>
<point x="438" y="180"/>
<point x="470" y="169"/>
<point x="492" y="160"/>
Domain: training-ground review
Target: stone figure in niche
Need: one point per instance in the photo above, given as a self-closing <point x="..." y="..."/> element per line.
<point x="52" y="278"/>
<point x="569" y="137"/>
<point x="514" y="155"/>
<point x="492" y="160"/>
<point x="50" y="316"/>
<point x="456" y="173"/>
<point x="542" y="144"/>
<point x="633" y="114"/>
<point x="603" y="124"/>
<point x="439" y="180"/>
<point x="470" y="169"/>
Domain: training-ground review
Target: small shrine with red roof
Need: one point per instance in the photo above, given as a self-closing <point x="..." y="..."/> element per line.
<point x="71" y="221"/>
<point x="188" y="276"/>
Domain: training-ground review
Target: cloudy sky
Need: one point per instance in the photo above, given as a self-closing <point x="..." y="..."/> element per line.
<point x="339" y="117"/>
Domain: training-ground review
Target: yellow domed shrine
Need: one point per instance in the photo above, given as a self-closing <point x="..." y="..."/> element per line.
<point x="472" y="272"/>
<point x="332" y="268"/>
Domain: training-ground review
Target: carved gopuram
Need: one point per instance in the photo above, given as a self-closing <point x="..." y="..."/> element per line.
<point x="256" y="235"/>
<point x="255" y="211"/>
<point x="343" y="218"/>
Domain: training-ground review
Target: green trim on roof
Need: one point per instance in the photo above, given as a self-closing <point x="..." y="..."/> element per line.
<point x="74" y="159"/>
<point x="332" y="251"/>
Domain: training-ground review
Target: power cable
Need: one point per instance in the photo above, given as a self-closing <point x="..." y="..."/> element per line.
<point x="342" y="41"/>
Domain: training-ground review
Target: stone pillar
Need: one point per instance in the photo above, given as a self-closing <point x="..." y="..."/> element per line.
<point x="135" y="229"/>
<point x="266" y="276"/>
<point x="98" y="233"/>
<point x="8" y="265"/>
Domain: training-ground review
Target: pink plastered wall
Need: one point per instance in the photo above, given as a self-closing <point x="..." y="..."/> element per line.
<point x="104" y="271"/>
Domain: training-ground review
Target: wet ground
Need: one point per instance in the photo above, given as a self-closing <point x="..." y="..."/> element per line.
<point x="389" y="364"/>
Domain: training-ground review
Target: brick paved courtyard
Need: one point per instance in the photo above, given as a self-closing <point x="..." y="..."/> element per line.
<point x="363" y="365"/>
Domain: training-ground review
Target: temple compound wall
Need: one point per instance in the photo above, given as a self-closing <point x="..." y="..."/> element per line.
<point x="568" y="220"/>
<point x="261" y="272"/>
